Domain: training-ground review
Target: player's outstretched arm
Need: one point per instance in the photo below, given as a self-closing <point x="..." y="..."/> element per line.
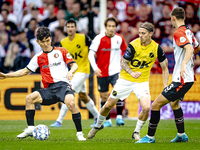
<point x="165" y="72"/>
<point x="19" y="73"/>
<point x="73" y="69"/>
<point x="125" y="66"/>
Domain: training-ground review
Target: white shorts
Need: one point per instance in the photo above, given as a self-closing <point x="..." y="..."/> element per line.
<point x="78" y="82"/>
<point x="123" y="89"/>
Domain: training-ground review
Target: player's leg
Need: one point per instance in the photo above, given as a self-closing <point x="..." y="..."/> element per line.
<point x="141" y="90"/>
<point x="31" y="99"/>
<point x="178" y="113"/>
<point x="103" y="84"/>
<point x="120" y="104"/>
<point x="143" y="116"/>
<point x="76" y="116"/>
<point x="63" y="112"/>
<point x="179" y="120"/>
<point x="158" y="103"/>
<point x="104" y="96"/>
<point x="102" y="116"/>
<point x="120" y="91"/>
<point x="89" y="105"/>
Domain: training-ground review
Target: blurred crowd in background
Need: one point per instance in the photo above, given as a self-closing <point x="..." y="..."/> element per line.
<point x="19" y="20"/>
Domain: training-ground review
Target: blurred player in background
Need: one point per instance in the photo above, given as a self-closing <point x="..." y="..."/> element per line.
<point x="108" y="48"/>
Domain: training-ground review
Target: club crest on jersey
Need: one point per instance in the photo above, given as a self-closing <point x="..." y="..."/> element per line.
<point x="151" y="55"/>
<point x="78" y="46"/>
<point x="182" y="39"/>
<point x="114" y="93"/>
<point x="117" y="42"/>
<point x="69" y="56"/>
<point x="56" y="55"/>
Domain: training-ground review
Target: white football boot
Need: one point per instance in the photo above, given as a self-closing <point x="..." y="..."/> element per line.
<point x="80" y="136"/>
<point x="27" y="132"/>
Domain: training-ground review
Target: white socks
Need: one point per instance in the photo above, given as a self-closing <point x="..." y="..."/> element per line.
<point x="119" y="117"/>
<point x="100" y="121"/>
<point x="181" y="134"/>
<point x="62" y="113"/>
<point x="91" y="107"/>
<point x="31" y="127"/>
<point x="139" y="125"/>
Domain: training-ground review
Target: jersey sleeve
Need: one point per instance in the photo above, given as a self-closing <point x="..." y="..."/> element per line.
<point x="95" y="44"/>
<point x="88" y="40"/>
<point x="129" y="53"/>
<point x="33" y="64"/>
<point x="66" y="56"/>
<point x="181" y="38"/>
<point x="161" y="54"/>
<point x="123" y="46"/>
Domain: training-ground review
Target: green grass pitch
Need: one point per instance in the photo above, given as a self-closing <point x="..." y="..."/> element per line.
<point x="112" y="138"/>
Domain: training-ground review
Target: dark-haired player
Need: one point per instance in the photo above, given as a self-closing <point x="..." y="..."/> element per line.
<point x="55" y="77"/>
<point x="77" y="45"/>
<point x="108" y="49"/>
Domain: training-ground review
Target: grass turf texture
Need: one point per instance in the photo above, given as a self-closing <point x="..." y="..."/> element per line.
<point x="108" y="138"/>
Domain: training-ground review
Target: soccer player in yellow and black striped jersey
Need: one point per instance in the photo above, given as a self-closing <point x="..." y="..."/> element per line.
<point x="77" y="45"/>
<point x="136" y="64"/>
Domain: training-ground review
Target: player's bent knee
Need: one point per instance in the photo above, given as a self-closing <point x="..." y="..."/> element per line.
<point x="84" y="97"/>
<point x="146" y="110"/>
<point x="29" y="100"/>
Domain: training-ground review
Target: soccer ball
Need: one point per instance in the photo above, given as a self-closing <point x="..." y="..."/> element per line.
<point x="41" y="132"/>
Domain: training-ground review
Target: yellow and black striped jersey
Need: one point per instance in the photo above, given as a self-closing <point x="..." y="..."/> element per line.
<point x="141" y="59"/>
<point x="78" y="48"/>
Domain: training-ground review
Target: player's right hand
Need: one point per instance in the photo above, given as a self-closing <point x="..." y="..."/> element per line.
<point x="98" y="72"/>
<point x="136" y="74"/>
<point x="2" y="75"/>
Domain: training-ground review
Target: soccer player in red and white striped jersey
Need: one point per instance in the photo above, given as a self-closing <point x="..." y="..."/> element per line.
<point x="56" y="80"/>
<point x="108" y="48"/>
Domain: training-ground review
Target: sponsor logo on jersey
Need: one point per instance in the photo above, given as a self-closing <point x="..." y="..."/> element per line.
<point x="109" y="49"/>
<point x="117" y="42"/>
<point x="78" y="46"/>
<point x="51" y="65"/>
<point x="69" y="56"/>
<point x="151" y="55"/>
<point x="56" y="55"/>
<point x="182" y="39"/>
<point x="114" y="93"/>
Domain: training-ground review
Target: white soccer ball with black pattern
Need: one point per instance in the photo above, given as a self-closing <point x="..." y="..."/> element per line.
<point x="41" y="132"/>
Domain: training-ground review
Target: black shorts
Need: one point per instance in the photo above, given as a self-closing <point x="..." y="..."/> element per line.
<point x="55" y="92"/>
<point x="103" y="82"/>
<point x="176" y="90"/>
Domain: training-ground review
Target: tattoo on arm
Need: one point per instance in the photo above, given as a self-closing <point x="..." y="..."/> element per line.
<point x="125" y="66"/>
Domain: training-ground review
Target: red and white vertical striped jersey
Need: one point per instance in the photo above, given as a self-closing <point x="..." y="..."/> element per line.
<point x="109" y="51"/>
<point x="52" y="65"/>
<point x="183" y="36"/>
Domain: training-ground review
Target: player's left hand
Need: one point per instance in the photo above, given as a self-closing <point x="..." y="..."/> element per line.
<point x="69" y="75"/>
<point x="183" y="71"/>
